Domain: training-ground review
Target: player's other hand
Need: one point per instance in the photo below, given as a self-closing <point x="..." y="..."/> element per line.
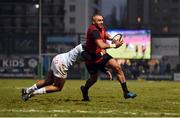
<point x="108" y="73"/>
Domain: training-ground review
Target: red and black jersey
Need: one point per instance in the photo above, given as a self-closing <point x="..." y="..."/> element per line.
<point x="94" y="34"/>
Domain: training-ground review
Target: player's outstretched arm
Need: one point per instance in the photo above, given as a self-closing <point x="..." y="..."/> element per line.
<point x="103" y="45"/>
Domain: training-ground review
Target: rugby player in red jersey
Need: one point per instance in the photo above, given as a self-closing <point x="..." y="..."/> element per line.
<point x="95" y="44"/>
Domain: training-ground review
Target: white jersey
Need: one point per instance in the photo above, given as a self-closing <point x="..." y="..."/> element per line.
<point x="62" y="62"/>
<point x="70" y="57"/>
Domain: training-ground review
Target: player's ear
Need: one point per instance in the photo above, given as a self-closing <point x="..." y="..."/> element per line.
<point x="93" y="20"/>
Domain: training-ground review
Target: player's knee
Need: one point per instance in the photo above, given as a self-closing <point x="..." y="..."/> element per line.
<point x="118" y="70"/>
<point x="59" y="88"/>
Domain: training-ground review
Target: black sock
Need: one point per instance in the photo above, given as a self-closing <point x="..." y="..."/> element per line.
<point x="124" y="87"/>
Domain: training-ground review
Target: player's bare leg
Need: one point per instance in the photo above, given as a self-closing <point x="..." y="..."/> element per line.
<point x="57" y="85"/>
<point x="50" y="84"/>
<point x="48" y="80"/>
<point x="112" y="63"/>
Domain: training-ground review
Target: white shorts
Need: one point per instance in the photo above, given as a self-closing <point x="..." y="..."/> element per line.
<point x="58" y="68"/>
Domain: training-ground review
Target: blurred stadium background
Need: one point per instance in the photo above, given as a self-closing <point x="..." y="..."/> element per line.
<point x="33" y="31"/>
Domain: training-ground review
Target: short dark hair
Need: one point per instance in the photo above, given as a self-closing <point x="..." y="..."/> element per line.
<point x="96" y="14"/>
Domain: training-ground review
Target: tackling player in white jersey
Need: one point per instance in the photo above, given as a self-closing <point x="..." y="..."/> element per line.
<point x="55" y="79"/>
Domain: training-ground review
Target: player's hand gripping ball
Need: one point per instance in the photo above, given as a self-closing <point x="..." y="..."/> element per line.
<point x="117" y="38"/>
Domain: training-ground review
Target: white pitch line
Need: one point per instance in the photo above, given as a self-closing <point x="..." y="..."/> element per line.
<point x="83" y="111"/>
<point x="57" y="111"/>
<point x="54" y="111"/>
<point x="132" y="113"/>
<point x="33" y="110"/>
<point x="169" y="114"/>
<point x="153" y="113"/>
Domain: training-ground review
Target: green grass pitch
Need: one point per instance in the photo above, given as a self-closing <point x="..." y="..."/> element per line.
<point x="155" y="99"/>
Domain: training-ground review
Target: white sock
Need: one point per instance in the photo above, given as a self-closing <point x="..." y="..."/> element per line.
<point x="40" y="91"/>
<point x="34" y="87"/>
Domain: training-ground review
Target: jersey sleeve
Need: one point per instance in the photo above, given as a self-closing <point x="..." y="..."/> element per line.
<point x="95" y="35"/>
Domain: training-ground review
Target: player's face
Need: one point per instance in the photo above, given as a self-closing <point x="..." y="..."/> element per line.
<point x="98" y="20"/>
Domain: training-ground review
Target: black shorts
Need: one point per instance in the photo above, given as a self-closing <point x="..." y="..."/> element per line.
<point x="100" y="66"/>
